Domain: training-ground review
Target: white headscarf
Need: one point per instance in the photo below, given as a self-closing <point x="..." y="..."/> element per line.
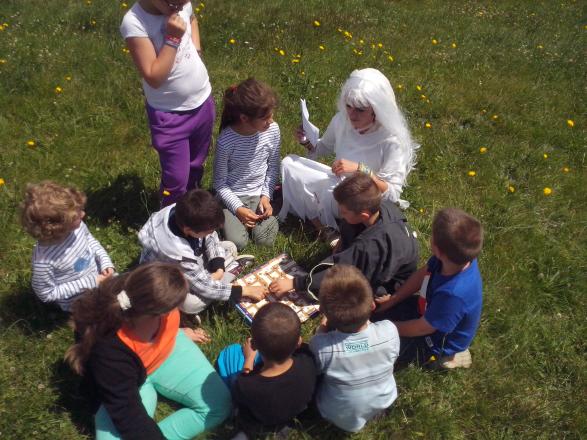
<point x="370" y="87"/>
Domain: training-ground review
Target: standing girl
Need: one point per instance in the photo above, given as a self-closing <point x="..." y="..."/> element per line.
<point x="246" y="165"/>
<point x="130" y="348"/>
<point x="164" y="41"/>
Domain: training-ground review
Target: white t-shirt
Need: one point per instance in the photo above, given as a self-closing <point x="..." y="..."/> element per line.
<point x="188" y="85"/>
<point x="358" y="378"/>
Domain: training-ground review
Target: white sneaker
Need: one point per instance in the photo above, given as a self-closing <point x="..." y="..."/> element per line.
<point x="458" y="360"/>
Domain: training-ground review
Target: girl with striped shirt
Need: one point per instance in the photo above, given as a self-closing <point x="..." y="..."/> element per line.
<point x="246" y="166"/>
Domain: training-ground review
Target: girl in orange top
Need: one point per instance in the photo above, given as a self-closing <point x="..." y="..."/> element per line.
<point x="130" y="348"/>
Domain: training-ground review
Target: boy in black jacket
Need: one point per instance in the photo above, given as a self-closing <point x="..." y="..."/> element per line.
<point x="375" y="238"/>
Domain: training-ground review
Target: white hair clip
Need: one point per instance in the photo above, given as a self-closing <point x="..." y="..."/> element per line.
<point x="123" y="300"/>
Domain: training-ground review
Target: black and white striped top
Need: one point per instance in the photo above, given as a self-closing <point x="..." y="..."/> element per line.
<point x="246" y="165"/>
<point x="62" y="271"/>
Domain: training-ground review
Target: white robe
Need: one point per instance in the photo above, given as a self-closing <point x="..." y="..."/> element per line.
<point x="308" y="185"/>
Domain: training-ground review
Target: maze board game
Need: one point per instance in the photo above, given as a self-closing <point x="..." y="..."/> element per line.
<point x="278" y="267"/>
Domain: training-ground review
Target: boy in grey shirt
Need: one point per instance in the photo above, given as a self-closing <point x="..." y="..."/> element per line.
<point x="354" y="355"/>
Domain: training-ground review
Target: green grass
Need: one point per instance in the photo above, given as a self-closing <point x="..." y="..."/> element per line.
<point x="521" y="61"/>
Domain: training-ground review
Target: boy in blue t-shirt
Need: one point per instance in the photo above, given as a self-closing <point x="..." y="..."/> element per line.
<point x="437" y="326"/>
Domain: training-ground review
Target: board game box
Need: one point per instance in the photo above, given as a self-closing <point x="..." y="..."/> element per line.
<point x="278" y="267"/>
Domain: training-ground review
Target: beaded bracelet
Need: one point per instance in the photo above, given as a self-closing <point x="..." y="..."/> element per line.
<point x="172" y="41"/>
<point x="362" y="168"/>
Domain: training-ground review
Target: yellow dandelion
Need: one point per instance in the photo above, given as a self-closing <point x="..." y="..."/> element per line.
<point x="483" y="150"/>
<point x="483" y="111"/>
<point x="5" y="25"/>
<point x="453" y="45"/>
<point x="339" y="30"/>
<point x="418" y="88"/>
<point x="390" y="58"/>
<point x="428" y="125"/>
<point x="197" y="10"/>
<point x="2" y="182"/>
<point x="400" y="86"/>
<point x="282" y="52"/>
<point x="361" y="41"/>
<point x="495" y="117"/>
<point x="566" y="169"/>
<point x="421" y="210"/>
<point x="2" y="61"/>
<point x="316" y="23"/>
<point x="547" y="191"/>
<point x="58" y="89"/>
<point x="379" y="45"/>
<point x="1" y="28"/>
<point x="125" y="50"/>
<point x="123" y="5"/>
<point x="93" y="22"/>
<point x="88" y="2"/>
<point x="422" y="96"/>
<point x="295" y="60"/>
<point x="166" y="193"/>
<point x="570" y="123"/>
<point x="545" y="155"/>
<point x="511" y="189"/>
<point x="348" y="35"/>
<point x="202" y="5"/>
<point x="232" y="41"/>
<point x="31" y="143"/>
<point x="302" y="73"/>
<point x="321" y="47"/>
<point x="68" y="78"/>
<point x="540" y="46"/>
<point x="471" y="173"/>
<point x="434" y="41"/>
<point x="432" y="358"/>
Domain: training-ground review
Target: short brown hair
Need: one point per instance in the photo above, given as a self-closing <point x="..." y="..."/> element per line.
<point x="199" y="210"/>
<point x="346" y="298"/>
<point x="276" y="331"/>
<point x="49" y="210"/>
<point x="358" y="194"/>
<point x="252" y="98"/>
<point x="457" y="234"/>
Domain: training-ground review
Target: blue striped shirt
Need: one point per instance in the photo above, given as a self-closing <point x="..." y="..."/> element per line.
<point x="63" y="271"/>
<point x="246" y="165"/>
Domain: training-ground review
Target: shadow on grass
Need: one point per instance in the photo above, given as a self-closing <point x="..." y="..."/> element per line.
<point x="21" y="308"/>
<point x="125" y="199"/>
<point x="71" y="400"/>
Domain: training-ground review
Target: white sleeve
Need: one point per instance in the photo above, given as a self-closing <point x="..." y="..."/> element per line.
<point x="327" y="142"/>
<point x="393" y="171"/>
<point x="131" y="26"/>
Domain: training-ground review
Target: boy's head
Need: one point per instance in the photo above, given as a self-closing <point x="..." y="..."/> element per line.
<point x="457" y="235"/>
<point x="276" y="331"/>
<point x="50" y="211"/>
<point x="358" y="198"/>
<point x="346" y="298"/>
<point x="198" y="212"/>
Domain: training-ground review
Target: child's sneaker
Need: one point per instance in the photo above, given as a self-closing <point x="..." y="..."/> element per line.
<point x="458" y="360"/>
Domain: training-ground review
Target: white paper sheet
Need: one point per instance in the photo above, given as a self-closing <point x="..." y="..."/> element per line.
<point x="310" y="130"/>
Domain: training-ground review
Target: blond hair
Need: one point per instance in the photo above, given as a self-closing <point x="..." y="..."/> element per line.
<point x="49" y="210"/>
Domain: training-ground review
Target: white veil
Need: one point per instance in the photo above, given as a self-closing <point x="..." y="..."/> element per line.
<point x="370" y="87"/>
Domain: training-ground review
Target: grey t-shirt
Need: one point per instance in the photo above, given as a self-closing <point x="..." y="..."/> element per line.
<point x="358" y="379"/>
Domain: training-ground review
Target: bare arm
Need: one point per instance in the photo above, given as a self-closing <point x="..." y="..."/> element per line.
<point x="196" y="34"/>
<point x="156" y="68"/>
<point x="411" y="286"/>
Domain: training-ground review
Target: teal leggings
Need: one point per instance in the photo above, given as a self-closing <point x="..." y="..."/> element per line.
<point x="185" y="377"/>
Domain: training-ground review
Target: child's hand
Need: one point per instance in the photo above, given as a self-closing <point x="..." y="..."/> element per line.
<point x="217" y="275"/>
<point x="247" y="217"/>
<point x="175" y="26"/>
<point x="323" y="327"/>
<point x="383" y="303"/>
<point x="301" y="138"/>
<point x="198" y="335"/>
<point x="265" y="208"/>
<point x="256" y="293"/>
<point x="108" y="272"/>
<point x="248" y="351"/>
<point x="281" y="286"/>
<point x="343" y="166"/>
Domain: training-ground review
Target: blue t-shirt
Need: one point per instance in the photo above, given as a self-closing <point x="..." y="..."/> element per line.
<point x="453" y="307"/>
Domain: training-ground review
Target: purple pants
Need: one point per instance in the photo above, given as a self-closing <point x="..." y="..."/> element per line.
<point x="182" y="140"/>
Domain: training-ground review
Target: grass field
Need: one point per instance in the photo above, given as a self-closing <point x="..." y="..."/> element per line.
<point x="495" y="92"/>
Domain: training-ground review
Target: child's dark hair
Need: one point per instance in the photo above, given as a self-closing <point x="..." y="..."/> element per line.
<point x="358" y="194"/>
<point x="276" y="331"/>
<point x="151" y="289"/>
<point x="49" y="210"/>
<point x="199" y="210"/>
<point x="457" y="234"/>
<point x="346" y="298"/>
<point x="251" y="98"/>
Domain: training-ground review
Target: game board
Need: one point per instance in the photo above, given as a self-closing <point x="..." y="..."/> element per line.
<point x="278" y="267"/>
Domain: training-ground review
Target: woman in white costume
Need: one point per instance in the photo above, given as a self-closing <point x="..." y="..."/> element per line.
<point x="368" y="134"/>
